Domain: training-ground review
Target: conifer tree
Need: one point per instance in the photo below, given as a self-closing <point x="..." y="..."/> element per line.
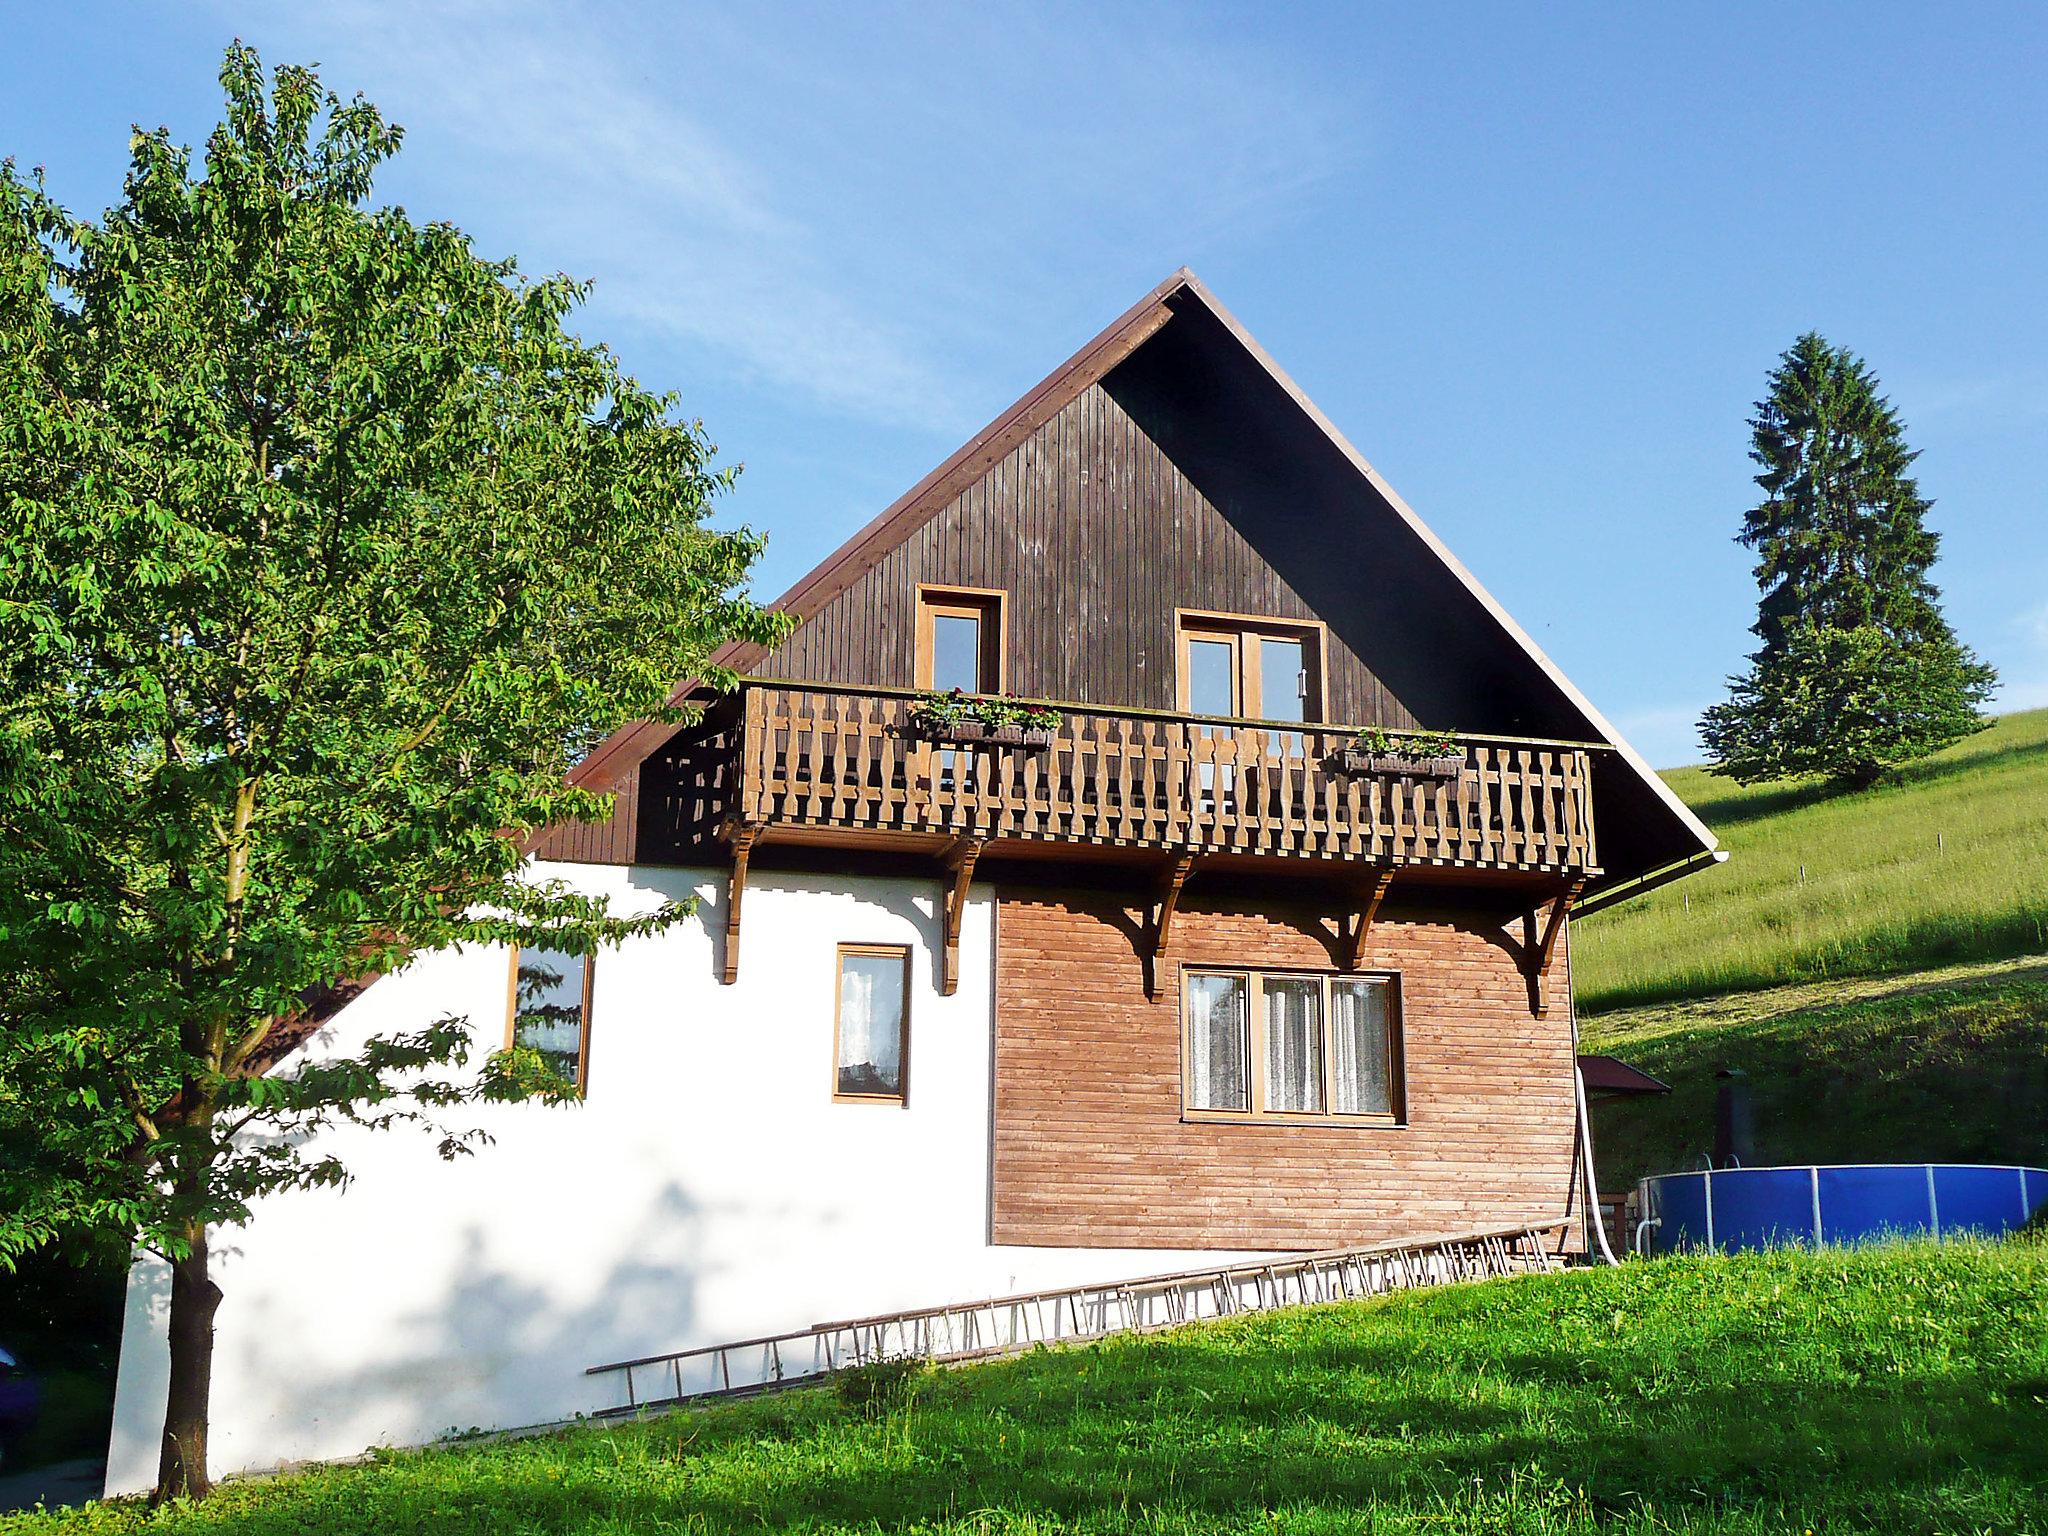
<point x="1859" y="671"/>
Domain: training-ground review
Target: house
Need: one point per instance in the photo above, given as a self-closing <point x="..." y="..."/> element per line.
<point x="1201" y="978"/>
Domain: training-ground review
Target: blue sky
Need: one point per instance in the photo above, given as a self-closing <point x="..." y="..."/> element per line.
<point x="1533" y="260"/>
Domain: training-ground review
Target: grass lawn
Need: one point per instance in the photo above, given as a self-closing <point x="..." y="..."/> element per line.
<point x="1947" y="862"/>
<point x="1943" y="1065"/>
<point x="1902" y="1388"/>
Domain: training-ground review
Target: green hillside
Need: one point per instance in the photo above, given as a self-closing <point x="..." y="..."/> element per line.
<point x="1947" y="863"/>
<point x="1901" y="1388"/>
<point x="1942" y="1065"/>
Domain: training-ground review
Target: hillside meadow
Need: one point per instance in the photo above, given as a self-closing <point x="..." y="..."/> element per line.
<point x="1945" y="861"/>
<point x="1898" y="1388"/>
<point x="1948" y="1064"/>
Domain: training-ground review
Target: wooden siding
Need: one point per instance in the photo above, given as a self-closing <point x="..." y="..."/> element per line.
<point x="1090" y="1149"/>
<point x="1098" y="537"/>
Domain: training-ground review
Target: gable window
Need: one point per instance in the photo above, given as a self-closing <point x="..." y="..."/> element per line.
<point x="871" y="1035"/>
<point x="550" y="1010"/>
<point x="1292" y="1045"/>
<point x="960" y="640"/>
<point x="1249" y="668"/>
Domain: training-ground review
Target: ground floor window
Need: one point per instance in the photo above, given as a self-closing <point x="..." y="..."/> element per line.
<point x="1292" y="1045"/>
<point x="550" y="1010"/>
<point x="871" y="1044"/>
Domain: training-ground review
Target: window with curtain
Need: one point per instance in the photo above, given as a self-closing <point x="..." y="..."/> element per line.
<point x="1361" y="1046"/>
<point x="551" y="1010"/>
<point x="874" y="1022"/>
<point x="1217" y="1055"/>
<point x="1294" y="1044"/>
<point x="1264" y="1044"/>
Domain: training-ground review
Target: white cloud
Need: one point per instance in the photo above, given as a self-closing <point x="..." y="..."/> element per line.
<point x="851" y="207"/>
<point x="608" y="178"/>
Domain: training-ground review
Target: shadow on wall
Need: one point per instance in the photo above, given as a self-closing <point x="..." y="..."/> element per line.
<point x="1296" y="501"/>
<point x="499" y="1349"/>
<point x="921" y="912"/>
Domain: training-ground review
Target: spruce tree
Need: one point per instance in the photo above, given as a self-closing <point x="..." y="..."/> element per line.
<point x="1859" y="671"/>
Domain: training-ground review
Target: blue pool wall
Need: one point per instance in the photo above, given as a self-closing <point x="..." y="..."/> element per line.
<point x="1846" y="1203"/>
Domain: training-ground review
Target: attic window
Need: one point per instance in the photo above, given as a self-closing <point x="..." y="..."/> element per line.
<point x="1245" y="667"/>
<point x="960" y="641"/>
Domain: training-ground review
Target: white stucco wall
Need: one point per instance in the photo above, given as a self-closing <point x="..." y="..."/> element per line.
<point x="708" y="1189"/>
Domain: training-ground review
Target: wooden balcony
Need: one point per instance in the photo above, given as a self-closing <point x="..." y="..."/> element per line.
<point x="840" y="761"/>
<point x="846" y="766"/>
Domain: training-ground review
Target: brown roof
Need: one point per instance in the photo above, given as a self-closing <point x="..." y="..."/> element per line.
<point x="1610" y="1074"/>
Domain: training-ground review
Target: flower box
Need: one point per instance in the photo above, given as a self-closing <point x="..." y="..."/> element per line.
<point x="1031" y="737"/>
<point x="957" y="719"/>
<point x="1351" y="761"/>
<point x="978" y="733"/>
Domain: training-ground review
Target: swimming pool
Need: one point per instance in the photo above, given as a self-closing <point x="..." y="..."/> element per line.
<point x="1735" y="1208"/>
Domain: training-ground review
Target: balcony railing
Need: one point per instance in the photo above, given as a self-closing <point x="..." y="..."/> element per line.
<point x="850" y="759"/>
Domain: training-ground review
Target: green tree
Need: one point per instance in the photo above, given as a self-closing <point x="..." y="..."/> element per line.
<point x="325" y="551"/>
<point x="1858" y="671"/>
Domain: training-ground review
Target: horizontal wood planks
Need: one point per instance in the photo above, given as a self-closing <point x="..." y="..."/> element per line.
<point x="1090" y="1148"/>
<point x="1097" y="537"/>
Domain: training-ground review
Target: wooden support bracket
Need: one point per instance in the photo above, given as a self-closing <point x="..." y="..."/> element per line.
<point x="743" y="835"/>
<point x="1159" y="921"/>
<point x="1538" y="950"/>
<point x="960" y="862"/>
<point x="1361" y="923"/>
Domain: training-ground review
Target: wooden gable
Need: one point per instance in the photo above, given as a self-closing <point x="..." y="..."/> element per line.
<point x="1098" y="537"/>
<point x="1169" y="465"/>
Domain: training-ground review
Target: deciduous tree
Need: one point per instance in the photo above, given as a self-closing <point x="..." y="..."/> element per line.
<point x="325" y="550"/>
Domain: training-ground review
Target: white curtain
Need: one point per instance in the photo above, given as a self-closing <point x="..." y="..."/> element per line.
<point x="1294" y="1044"/>
<point x="871" y="1024"/>
<point x="1216" y="1046"/>
<point x="1359" y="1047"/>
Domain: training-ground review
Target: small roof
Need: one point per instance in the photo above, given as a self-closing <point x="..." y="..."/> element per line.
<point x="1610" y="1074"/>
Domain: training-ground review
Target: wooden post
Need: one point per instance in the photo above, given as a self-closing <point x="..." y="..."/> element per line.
<point x="743" y="839"/>
<point x="960" y="862"/>
<point x="1159" y="923"/>
<point x="1361" y="923"/>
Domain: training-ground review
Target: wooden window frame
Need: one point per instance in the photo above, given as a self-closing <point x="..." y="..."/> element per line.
<point x="582" y="1033"/>
<point x="1241" y="628"/>
<point x="901" y="1097"/>
<point x="988" y="604"/>
<point x="1256" y="1113"/>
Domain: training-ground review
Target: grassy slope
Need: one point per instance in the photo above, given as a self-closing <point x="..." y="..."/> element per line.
<point x="1879" y="893"/>
<point x="1901" y="1388"/>
<point x="1948" y="1064"/>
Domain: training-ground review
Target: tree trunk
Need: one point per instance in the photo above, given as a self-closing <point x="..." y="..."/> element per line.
<point x="181" y="1471"/>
